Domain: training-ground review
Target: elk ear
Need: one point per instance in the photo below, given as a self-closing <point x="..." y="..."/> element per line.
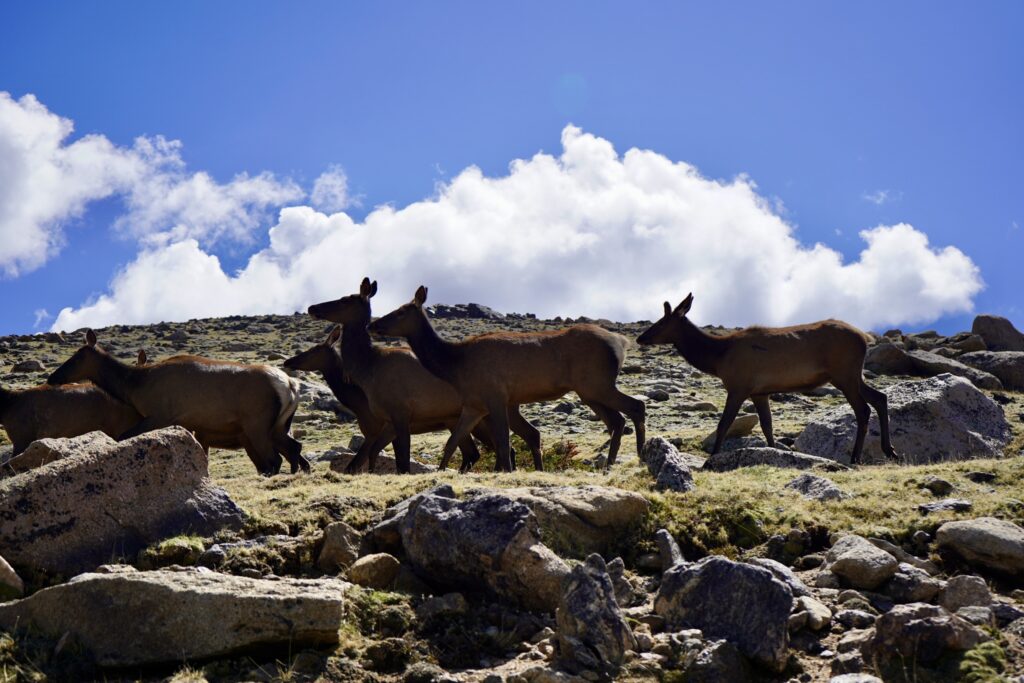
<point x="373" y="289"/>
<point x="90" y="338"/>
<point x="334" y="335"/>
<point x="421" y="296"/>
<point x="142" y="358"/>
<point x="684" y="307"/>
<point x="668" y="309"/>
<point x="364" y="288"/>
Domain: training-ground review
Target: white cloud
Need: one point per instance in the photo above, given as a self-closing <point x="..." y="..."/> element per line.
<point x="589" y="232"/>
<point x="879" y="197"/>
<point x="46" y="182"/>
<point x="330" y="191"/>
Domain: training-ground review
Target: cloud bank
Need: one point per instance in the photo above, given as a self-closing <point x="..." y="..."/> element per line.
<point x="46" y="183"/>
<point x="588" y="232"/>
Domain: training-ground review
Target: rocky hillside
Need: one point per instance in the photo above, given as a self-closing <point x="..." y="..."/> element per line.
<point x="756" y="564"/>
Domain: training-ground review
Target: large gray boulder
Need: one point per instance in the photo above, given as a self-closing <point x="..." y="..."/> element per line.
<point x="741" y="603"/>
<point x="932" y="420"/>
<point x="920" y="631"/>
<point x="725" y="461"/>
<point x="985" y="542"/>
<point x="133" y="618"/>
<point x="930" y="364"/>
<point x="76" y="513"/>
<point x="592" y="630"/>
<point x="1008" y="366"/>
<point x="886" y="358"/>
<point x="578" y="520"/>
<point x="486" y="543"/>
<point x="998" y="332"/>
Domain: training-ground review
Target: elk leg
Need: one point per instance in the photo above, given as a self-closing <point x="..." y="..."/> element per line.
<point x="470" y="454"/>
<point x="863" y="414"/>
<point x="497" y="420"/>
<point x="528" y="433"/>
<point x="764" y="416"/>
<point x="615" y="423"/>
<point x="402" y="446"/>
<point x="632" y="408"/>
<point x="467" y="420"/>
<point x="292" y="451"/>
<point x="880" y="402"/>
<point x="732" y="408"/>
<point x="372" y="445"/>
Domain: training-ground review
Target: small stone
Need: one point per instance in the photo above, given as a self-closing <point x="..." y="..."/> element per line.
<point x="668" y="549"/>
<point x="447" y="605"/>
<point x="946" y="505"/>
<point x="860" y="562"/>
<point x="853" y="618"/>
<point x="981" y="477"/>
<point x="374" y="571"/>
<point x="938" y="486"/>
<point x="977" y="615"/>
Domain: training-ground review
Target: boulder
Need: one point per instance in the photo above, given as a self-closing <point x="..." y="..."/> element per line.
<point x="578" y="520"/>
<point x="998" y="332"/>
<point x="910" y="584"/>
<point x="938" y="419"/>
<point x="725" y="461"/>
<point x="374" y="571"/>
<point x="920" y="631"/>
<point x="489" y="542"/>
<point x="592" y="631"/>
<point x="819" y="616"/>
<point x="739" y="602"/>
<point x="339" y="548"/>
<point x="668" y="467"/>
<point x="1008" y="366"/>
<point x="860" y="562"/>
<point x="11" y="585"/>
<point x="45" y="451"/>
<point x="28" y="366"/>
<point x="930" y="364"/>
<point x="985" y="542"/>
<point x="888" y="359"/>
<point x="386" y="535"/>
<point x="742" y="426"/>
<point x="669" y="552"/>
<point x="139" y="618"/>
<point x="965" y="591"/>
<point x="813" y="487"/>
<point x="76" y="513"/>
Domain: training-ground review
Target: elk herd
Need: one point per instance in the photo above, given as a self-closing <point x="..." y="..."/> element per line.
<point x="474" y="387"/>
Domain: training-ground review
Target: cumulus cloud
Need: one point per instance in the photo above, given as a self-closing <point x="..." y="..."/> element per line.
<point x="330" y="191"/>
<point x="46" y="182"/>
<point x="588" y="232"/>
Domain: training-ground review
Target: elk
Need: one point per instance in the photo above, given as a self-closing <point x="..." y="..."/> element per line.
<point x="493" y="371"/>
<point x="326" y="359"/>
<point x="398" y="387"/>
<point x="756" y="362"/>
<point x="60" y="412"/>
<point x="226" y="404"/>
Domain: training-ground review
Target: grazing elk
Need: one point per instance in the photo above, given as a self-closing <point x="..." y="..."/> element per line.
<point x="399" y="389"/>
<point x="226" y="404"/>
<point x="497" y="370"/>
<point x="326" y="359"/>
<point x="758" y="361"/>
<point x="55" y="412"/>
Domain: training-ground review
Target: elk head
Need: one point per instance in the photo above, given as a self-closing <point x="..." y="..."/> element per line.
<point x="404" y="320"/>
<point x="353" y="309"/>
<point x="668" y="329"/>
<point x="317" y="358"/>
<point x="85" y="364"/>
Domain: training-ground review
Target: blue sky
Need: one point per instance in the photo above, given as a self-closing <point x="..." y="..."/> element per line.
<point x="845" y="116"/>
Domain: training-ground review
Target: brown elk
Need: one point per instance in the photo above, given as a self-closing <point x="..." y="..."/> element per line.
<point x="226" y="404"/>
<point x="59" y="412"/>
<point x="758" y="361"/>
<point x="493" y="371"/>
<point x="326" y="359"/>
<point x="398" y="387"/>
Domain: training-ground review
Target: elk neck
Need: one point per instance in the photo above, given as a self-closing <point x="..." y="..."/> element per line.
<point x="700" y="349"/>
